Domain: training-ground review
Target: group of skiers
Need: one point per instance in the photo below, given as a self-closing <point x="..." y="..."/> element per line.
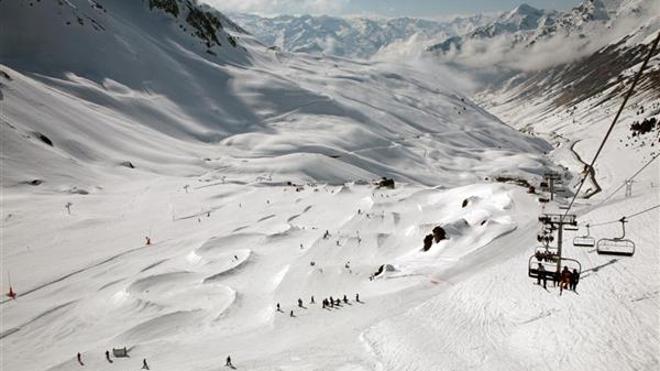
<point x="567" y="279"/>
<point x="145" y="365"/>
<point x="332" y="302"/>
<point x="329" y="302"/>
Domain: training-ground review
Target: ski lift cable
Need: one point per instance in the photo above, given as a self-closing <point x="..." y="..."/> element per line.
<point x="654" y="45"/>
<point x="629" y="179"/>
<point x="626" y="217"/>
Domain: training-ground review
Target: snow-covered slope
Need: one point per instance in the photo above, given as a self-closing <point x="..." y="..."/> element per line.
<point x="145" y="88"/>
<point x="350" y="37"/>
<point x="235" y="161"/>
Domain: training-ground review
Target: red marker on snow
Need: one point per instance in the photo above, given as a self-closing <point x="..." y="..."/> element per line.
<point x="11" y="293"/>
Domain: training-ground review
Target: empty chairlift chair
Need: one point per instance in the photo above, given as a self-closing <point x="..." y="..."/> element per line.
<point x="618" y="245"/>
<point x="585" y="241"/>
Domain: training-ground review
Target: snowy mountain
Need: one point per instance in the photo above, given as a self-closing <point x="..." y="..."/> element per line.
<point x="351" y="37"/>
<point x="528" y="25"/>
<point x="595" y="66"/>
<point x="173" y="186"/>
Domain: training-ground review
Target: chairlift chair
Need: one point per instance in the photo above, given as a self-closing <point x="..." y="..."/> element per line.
<point x="584" y="241"/>
<point x="618" y="245"/>
<point x="550" y="268"/>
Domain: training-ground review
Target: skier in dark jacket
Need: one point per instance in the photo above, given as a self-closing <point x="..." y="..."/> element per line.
<point x="300" y="303"/>
<point x="345" y="299"/>
<point x="79" y="357"/>
<point x="565" y="280"/>
<point x="542" y="276"/>
<point x="145" y="366"/>
<point x="575" y="278"/>
<point x="228" y="363"/>
<point x="107" y="356"/>
<point x="357" y="297"/>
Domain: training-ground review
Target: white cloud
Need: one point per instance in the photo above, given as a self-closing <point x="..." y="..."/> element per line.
<point x="269" y="7"/>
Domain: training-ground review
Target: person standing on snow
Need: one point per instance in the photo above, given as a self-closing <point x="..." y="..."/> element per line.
<point x="107" y="356"/>
<point x="565" y="280"/>
<point x="79" y="357"/>
<point x="542" y="276"/>
<point x="575" y="278"/>
<point x="228" y="362"/>
<point x="357" y="298"/>
<point x="300" y="303"/>
<point x="145" y="366"/>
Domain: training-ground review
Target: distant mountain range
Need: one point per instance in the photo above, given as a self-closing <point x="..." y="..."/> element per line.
<point x="528" y="25"/>
<point x="352" y="37"/>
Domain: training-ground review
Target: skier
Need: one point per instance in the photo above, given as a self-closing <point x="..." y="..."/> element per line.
<point x="107" y="356"/>
<point x="565" y="280"/>
<point x="278" y="307"/>
<point x="291" y="314"/>
<point x="324" y="303"/>
<point x="312" y="300"/>
<point x="300" y="303"/>
<point x="332" y="302"/>
<point x="228" y="363"/>
<point x="148" y="240"/>
<point x="145" y="366"/>
<point x="542" y="276"/>
<point x="345" y="299"/>
<point x="357" y="297"/>
<point x="79" y="357"/>
<point x="575" y="278"/>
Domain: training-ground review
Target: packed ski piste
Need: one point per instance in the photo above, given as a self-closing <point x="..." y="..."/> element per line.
<point x="179" y="194"/>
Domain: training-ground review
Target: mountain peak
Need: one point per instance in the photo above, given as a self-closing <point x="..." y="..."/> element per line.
<point x="525" y="9"/>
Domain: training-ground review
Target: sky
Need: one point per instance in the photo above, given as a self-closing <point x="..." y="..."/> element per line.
<point x="390" y="8"/>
